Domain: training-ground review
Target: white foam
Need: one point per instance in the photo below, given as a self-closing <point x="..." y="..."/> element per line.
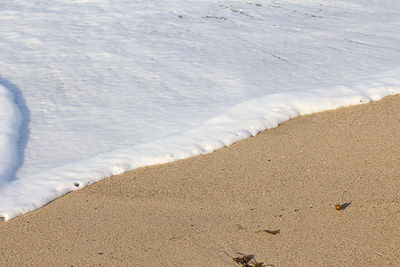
<point x="108" y="86"/>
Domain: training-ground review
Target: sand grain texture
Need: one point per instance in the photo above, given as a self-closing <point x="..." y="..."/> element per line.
<point x="196" y="212"/>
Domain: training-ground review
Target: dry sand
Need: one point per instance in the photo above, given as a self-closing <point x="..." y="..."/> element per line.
<point x="201" y="211"/>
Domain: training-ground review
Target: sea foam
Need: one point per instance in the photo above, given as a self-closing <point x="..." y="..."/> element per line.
<point x="91" y="89"/>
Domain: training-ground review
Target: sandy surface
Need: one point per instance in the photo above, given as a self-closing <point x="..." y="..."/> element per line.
<point x="202" y="211"/>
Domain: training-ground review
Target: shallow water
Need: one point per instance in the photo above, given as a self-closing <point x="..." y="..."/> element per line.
<point x="105" y="87"/>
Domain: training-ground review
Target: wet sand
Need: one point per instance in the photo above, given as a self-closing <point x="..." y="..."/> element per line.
<point x="205" y="210"/>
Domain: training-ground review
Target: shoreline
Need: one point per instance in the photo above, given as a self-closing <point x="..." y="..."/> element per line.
<point x="202" y="210"/>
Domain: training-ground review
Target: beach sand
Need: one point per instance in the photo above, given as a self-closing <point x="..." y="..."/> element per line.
<point x="205" y="210"/>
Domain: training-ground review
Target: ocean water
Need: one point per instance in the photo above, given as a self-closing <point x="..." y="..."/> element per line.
<point x="93" y="88"/>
